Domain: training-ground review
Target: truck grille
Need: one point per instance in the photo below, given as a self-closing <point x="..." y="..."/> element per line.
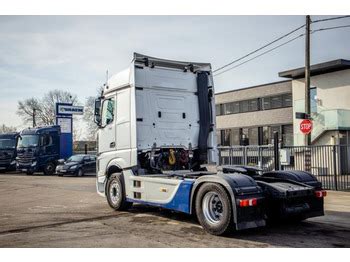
<point x="26" y="157"/>
<point x="5" y="156"/>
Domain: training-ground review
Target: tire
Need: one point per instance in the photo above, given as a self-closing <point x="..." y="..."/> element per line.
<point x="115" y="192"/>
<point x="80" y="172"/>
<point x="29" y="173"/>
<point x="60" y="174"/>
<point x="214" y="209"/>
<point x="49" y="169"/>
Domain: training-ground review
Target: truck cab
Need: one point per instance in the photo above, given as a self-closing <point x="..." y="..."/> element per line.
<point x="38" y="149"/>
<point x="157" y="146"/>
<point x="8" y="151"/>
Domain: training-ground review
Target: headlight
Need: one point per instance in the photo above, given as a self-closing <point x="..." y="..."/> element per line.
<point x="73" y="167"/>
<point x="34" y="163"/>
<point x="13" y="162"/>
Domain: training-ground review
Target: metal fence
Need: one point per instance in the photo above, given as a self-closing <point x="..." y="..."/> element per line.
<point x="329" y="163"/>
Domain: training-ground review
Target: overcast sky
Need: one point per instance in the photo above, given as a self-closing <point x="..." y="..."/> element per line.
<point x="41" y="53"/>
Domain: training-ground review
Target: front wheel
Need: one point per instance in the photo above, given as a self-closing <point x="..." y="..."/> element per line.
<point x="213" y="209"/>
<point x="115" y="192"/>
<point x="49" y="169"/>
<point x="80" y="172"/>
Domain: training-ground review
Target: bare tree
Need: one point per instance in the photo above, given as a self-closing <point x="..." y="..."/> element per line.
<point x="77" y="133"/>
<point x="47" y="113"/>
<point x="44" y="109"/>
<point x="6" y="129"/>
<point x="89" y="118"/>
<point x="27" y="110"/>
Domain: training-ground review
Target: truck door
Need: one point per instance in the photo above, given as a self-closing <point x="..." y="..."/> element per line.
<point x="107" y="130"/>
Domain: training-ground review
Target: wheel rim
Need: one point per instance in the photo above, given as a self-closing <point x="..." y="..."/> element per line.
<point x="212" y="207"/>
<point x="49" y="168"/>
<point x="114" y="192"/>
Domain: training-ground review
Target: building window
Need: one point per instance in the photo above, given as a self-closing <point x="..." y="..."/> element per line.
<point x="279" y="101"/>
<point x="226" y="135"/>
<point x="287" y="100"/>
<point x="253" y="105"/>
<point x="266" y="135"/>
<point x="276" y="102"/>
<point x="253" y="135"/>
<point x="229" y="137"/>
<point x="235" y="137"/>
<point x="218" y="110"/>
<point x="287" y="135"/>
<point x="243" y="106"/>
<point x="266" y="103"/>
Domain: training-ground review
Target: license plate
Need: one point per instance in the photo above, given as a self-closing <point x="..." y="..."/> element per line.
<point x="24" y="170"/>
<point x="63" y="171"/>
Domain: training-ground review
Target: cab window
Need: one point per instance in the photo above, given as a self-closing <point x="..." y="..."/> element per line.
<point x="46" y="140"/>
<point x="108" y="111"/>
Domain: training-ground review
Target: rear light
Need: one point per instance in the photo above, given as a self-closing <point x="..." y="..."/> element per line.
<point x="248" y="202"/>
<point x="321" y="193"/>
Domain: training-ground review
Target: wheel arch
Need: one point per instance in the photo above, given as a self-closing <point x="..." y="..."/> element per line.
<point x="217" y="180"/>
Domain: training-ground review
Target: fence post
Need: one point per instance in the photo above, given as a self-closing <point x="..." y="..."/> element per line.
<point x="276" y="151"/>
<point x="259" y="157"/>
<point x="245" y="155"/>
<point x="335" y="167"/>
<point x="86" y="149"/>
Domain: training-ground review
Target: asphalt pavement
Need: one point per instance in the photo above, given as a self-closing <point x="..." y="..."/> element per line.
<point x="41" y="211"/>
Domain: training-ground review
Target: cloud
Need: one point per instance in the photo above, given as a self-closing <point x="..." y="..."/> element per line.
<point x="41" y="53"/>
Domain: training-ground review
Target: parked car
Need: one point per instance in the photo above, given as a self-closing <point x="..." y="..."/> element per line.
<point x="77" y="165"/>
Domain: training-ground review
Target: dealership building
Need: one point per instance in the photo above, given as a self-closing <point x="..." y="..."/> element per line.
<point x="250" y="116"/>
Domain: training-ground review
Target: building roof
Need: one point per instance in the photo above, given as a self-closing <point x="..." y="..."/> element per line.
<point x="249" y="87"/>
<point x="317" y="69"/>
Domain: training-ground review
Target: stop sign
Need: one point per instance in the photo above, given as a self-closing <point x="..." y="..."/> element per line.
<point x="306" y="126"/>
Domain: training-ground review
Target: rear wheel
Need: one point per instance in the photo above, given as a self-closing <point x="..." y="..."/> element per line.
<point x="115" y="192"/>
<point x="49" y="169"/>
<point x="213" y="209"/>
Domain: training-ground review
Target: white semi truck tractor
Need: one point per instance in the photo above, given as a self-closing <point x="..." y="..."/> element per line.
<point x="157" y="146"/>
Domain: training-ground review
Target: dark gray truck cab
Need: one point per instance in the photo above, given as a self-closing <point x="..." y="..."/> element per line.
<point x="38" y="149"/>
<point x="8" y="151"/>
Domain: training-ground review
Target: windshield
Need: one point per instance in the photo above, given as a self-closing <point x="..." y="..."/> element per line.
<point x="7" y="143"/>
<point x="28" y="140"/>
<point x="75" y="158"/>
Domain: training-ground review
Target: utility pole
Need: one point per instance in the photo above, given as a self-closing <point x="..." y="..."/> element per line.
<point x="307" y="74"/>
<point x="34" y="111"/>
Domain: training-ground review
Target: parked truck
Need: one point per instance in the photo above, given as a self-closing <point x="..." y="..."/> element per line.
<point x="8" y="151"/>
<point x="157" y="146"/>
<point x="38" y="149"/>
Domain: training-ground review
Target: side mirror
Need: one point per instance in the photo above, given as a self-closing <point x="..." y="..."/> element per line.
<point x="97" y="112"/>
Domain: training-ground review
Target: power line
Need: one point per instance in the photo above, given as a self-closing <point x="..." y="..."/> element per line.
<point x="330" y="28"/>
<point x="274" y="41"/>
<point x="260" y="48"/>
<point x="268" y="51"/>
<point x="331" y="18"/>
